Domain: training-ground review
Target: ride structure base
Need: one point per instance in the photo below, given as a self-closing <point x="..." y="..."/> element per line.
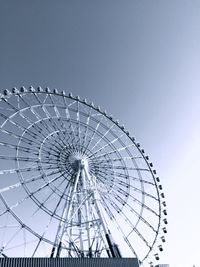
<point x="69" y="262"/>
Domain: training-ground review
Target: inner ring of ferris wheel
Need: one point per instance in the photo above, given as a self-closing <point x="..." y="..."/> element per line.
<point x="87" y="179"/>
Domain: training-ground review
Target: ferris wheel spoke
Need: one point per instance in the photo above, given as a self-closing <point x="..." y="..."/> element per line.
<point x="21" y="98"/>
<point x="27" y="169"/>
<point x="60" y="199"/>
<point x="6" y="118"/>
<point x="14" y="206"/>
<point x="46" y="159"/>
<point x="4" y="212"/>
<point x="22" y="138"/>
<point x="68" y="134"/>
<point x="104" y="173"/>
<point x="8" y="226"/>
<point x="24" y="159"/>
<point x="19" y="202"/>
<point x="39" y="128"/>
<point x="48" y="115"/>
<point x="50" y="152"/>
<point x="59" y="133"/>
<point x="48" y="167"/>
<point x="139" y="215"/>
<point x="50" y="195"/>
<point x="4" y="232"/>
<point x="120" y="229"/>
<point x="78" y="123"/>
<point x="46" y="127"/>
<point x="12" y="237"/>
<point x="45" y="98"/>
<point x="55" y="127"/>
<point x="4" y="248"/>
<point x="31" y="194"/>
<point x="119" y="167"/>
<point x="29" y="107"/>
<point x="140" y="191"/>
<point x="142" y="204"/>
<point x="68" y="116"/>
<point x="16" y="185"/>
<point x="24" y="241"/>
<point x="113" y="151"/>
<point x="102" y="137"/>
<point x="117" y="176"/>
<point x="37" y="246"/>
<point x="37" y="97"/>
<point x="93" y="134"/>
<point x="20" y="148"/>
<point x="64" y="138"/>
<point x="37" y="115"/>
<point x="126" y="185"/>
<point x="48" y="183"/>
<point x="32" y="123"/>
<point x="131" y="224"/>
<point x="10" y="105"/>
<point x="140" y="180"/>
<point x="17" y="111"/>
<point x="54" y="106"/>
<point x="121" y="159"/>
<point x="52" y="145"/>
<point x="107" y="144"/>
<point x="19" y="245"/>
<point x="53" y="191"/>
<point x="42" y="236"/>
<point x="86" y="126"/>
<point x="28" y="120"/>
<point x="30" y="133"/>
<point x="21" y="127"/>
<point x="42" y="120"/>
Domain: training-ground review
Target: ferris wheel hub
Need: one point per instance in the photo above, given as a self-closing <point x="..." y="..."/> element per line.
<point x="78" y="161"/>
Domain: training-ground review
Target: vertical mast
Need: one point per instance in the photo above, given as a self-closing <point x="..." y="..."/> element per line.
<point x="83" y="230"/>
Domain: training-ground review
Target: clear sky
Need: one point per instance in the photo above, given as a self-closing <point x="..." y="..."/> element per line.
<point x="139" y="60"/>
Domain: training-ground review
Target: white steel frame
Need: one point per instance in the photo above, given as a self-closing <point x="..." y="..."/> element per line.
<point x="83" y="177"/>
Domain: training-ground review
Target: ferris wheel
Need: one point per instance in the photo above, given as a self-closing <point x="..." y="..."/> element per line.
<point x="73" y="182"/>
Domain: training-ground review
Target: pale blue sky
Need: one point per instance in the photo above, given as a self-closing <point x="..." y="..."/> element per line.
<point x="139" y="60"/>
